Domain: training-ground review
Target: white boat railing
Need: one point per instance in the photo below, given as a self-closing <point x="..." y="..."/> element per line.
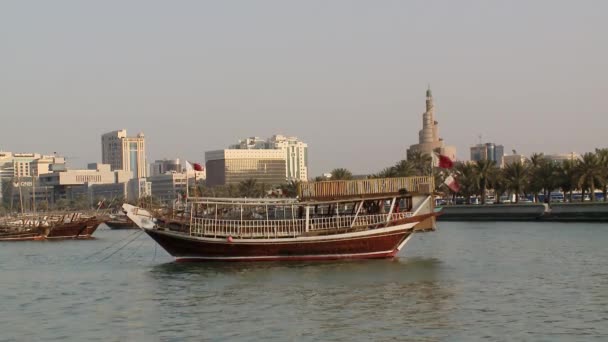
<point x="210" y="227"/>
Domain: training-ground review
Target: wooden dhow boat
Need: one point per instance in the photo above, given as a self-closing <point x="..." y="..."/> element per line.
<point x="44" y="226"/>
<point x="120" y="222"/>
<point x="372" y="218"/>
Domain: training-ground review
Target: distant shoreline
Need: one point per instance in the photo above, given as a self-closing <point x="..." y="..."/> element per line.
<point x="555" y="212"/>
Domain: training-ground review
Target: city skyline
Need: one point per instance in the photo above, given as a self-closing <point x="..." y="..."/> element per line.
<point x="201" y="75"/>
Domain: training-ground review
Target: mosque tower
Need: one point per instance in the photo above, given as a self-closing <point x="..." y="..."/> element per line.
<point x="428" y="136"/>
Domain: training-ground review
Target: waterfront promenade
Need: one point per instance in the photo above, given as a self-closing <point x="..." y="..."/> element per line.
<point x="561" y="212"/>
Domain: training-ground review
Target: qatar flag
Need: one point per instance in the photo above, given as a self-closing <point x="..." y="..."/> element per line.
<point x="444" y="162"/>
<point x="193" y="167"/>
<point x="452" y="183"/>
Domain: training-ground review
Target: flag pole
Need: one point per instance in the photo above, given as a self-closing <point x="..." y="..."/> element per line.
<point x="187" y="183"/>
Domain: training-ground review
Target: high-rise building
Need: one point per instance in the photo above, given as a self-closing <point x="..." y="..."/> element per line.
<point x="559" y="158"/>
<point x="231" y="166"/>
<point x="296" y="156"/>
<point x="163" y="166"/>
<point x="296" y="153"/>
<point x="428" y="136"/>
<point x="124" y="153"/>
<point x="488" y="151"/>
<point x="250" y="144"/>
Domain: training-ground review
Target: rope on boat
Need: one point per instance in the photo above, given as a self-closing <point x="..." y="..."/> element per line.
<point x="110" y="245"/>
<point x="154" y="257"/>
<point x="135" y="249"/>
<point x="125" y="245"/>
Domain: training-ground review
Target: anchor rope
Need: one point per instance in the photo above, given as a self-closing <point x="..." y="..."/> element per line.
<point x="135" y="249"/>
<point x="119" y="249"/>
<point x="110" y="245"/>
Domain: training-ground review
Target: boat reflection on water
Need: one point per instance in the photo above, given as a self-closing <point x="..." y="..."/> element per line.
<point x="308" y="296"/>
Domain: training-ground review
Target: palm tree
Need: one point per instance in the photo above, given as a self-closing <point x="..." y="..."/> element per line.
<point x="290" y="189"/>
<point x="421" y="162"/>
<point x="484" y="170"/>
<point x="341" y="174"/>
<point x="499" y="184"/>
<point x="465" y="172"/>
<point x="404" y="168"/>
<point x="565" y="177"/>
<point x="249" y="188"/>
<point x="546" y="178"/>
<point x="516" y="178"/>
<point x="602" y="154"/>
<point x="589" y="174"/>
<point x="387" y="172"/>
<point x="534" y="164"/>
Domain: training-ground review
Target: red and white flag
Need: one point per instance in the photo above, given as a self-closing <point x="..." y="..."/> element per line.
<point x="445" y="162"/>
<point x="452" y="183"/>
<point x="190" y="167"/>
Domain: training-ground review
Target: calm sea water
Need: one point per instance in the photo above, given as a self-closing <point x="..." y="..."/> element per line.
<point x="465" y="282"/>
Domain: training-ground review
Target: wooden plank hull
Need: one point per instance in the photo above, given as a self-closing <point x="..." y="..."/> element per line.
<point x="74" y="230"/>
<point x="121" y="224"/>
<point x="383" y="244"/>
<point x="22" y="236"/>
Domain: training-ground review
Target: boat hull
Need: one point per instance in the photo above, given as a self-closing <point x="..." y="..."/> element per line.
<point x="73" y="230"/>
<point x="121" y="225"/>
<point x="184" y="248"/>
<point x="22" y="236"/>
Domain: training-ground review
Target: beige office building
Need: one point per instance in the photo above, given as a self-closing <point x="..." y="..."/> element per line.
<point x="296" y="153"/>
<point x="296" y="156"/>
<point x="562" y="157"/>
<point x="232" y="166"/>
<point x="95" y="174"/>
<point x="28" y="164"/>
<point x="168" y="186"/>
<point x="124" y="153"/>
<point x="514" y="159"/>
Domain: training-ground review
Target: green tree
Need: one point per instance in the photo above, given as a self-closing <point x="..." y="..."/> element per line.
<point x="546" y="177"/>
<point x="469" y="186"/>
<point x="341" y="174"/>
<point x="62" y="204"/>
<point x="602" y="154"/>
<point x="421" y="163"/>
<point x="516" y="178"/>
<point x="7" y="192"/>
<point x="566" y="178"/>
<point x="251" y="188"/>
<point x="290" y="189"/>
<point x="404" y="168"/>
<point x="534" y="185"/>
<point x="484" y="172"/>
<point x="589" y="174"/>
<point x="499" y="184"/>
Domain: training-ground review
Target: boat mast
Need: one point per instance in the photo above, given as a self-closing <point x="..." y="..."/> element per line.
<point x="34" y="194"/>
<point x="20" y="194"/>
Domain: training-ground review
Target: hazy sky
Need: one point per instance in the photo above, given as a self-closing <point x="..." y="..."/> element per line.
<point x="347" y="77"/>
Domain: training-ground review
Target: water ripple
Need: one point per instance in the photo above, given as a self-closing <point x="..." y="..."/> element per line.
<point x="466" y="282"/>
